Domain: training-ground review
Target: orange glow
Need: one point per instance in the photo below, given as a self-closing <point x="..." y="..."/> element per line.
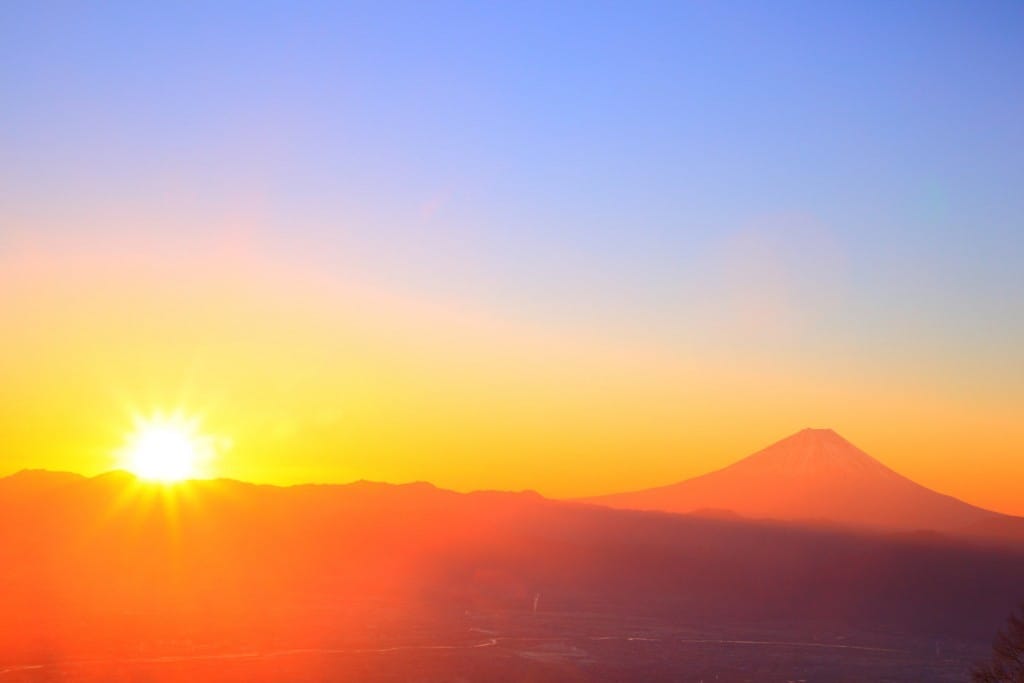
<point x="317" y="379"/>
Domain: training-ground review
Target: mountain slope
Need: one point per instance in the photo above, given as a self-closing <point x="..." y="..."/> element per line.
<point x="814" y="475"/>
<point x="112" y="565"/>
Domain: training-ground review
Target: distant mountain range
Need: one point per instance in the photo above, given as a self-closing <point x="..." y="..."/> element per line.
<point x="817" y="476"/>
<point x="111" y="565"/>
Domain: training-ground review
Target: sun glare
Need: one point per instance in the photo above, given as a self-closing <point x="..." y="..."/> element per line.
<point x="165" y="449"/>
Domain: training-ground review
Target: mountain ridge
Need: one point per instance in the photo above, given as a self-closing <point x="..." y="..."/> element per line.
<point x="816" y="475"/>
<point x="104" y="562"/>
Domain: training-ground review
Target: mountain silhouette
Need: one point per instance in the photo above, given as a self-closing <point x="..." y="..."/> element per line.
<point x="113" y="566"/>
<point x="816" y="475"/>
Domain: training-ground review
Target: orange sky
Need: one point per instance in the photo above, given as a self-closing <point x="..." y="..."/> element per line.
<point x="309" y="375"/>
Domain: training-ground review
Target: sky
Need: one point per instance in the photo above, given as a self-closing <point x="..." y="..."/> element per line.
<point x="575" y="248"/>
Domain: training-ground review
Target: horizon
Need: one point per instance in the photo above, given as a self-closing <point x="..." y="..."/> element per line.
<point x="596" y="498"/>
<point x="399" y="341"/>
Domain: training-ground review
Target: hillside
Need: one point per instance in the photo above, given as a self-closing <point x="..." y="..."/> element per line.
<point x="818" y="476"/>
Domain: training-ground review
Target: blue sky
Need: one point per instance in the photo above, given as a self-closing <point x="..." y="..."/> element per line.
<point x="600" y="137"/>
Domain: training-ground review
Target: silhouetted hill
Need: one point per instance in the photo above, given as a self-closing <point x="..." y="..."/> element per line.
<point x="817" y="476"/>
<point x="105" y="564"/>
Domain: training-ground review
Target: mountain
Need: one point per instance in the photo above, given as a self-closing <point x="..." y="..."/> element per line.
<point x="818" y="476"/>
<point x="112" y="570"/>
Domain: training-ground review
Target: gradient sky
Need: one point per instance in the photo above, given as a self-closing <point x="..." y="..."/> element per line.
<point x="576" y="249"/>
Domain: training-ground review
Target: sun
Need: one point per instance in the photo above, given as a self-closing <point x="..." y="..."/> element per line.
<point x="167" y="449"/>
